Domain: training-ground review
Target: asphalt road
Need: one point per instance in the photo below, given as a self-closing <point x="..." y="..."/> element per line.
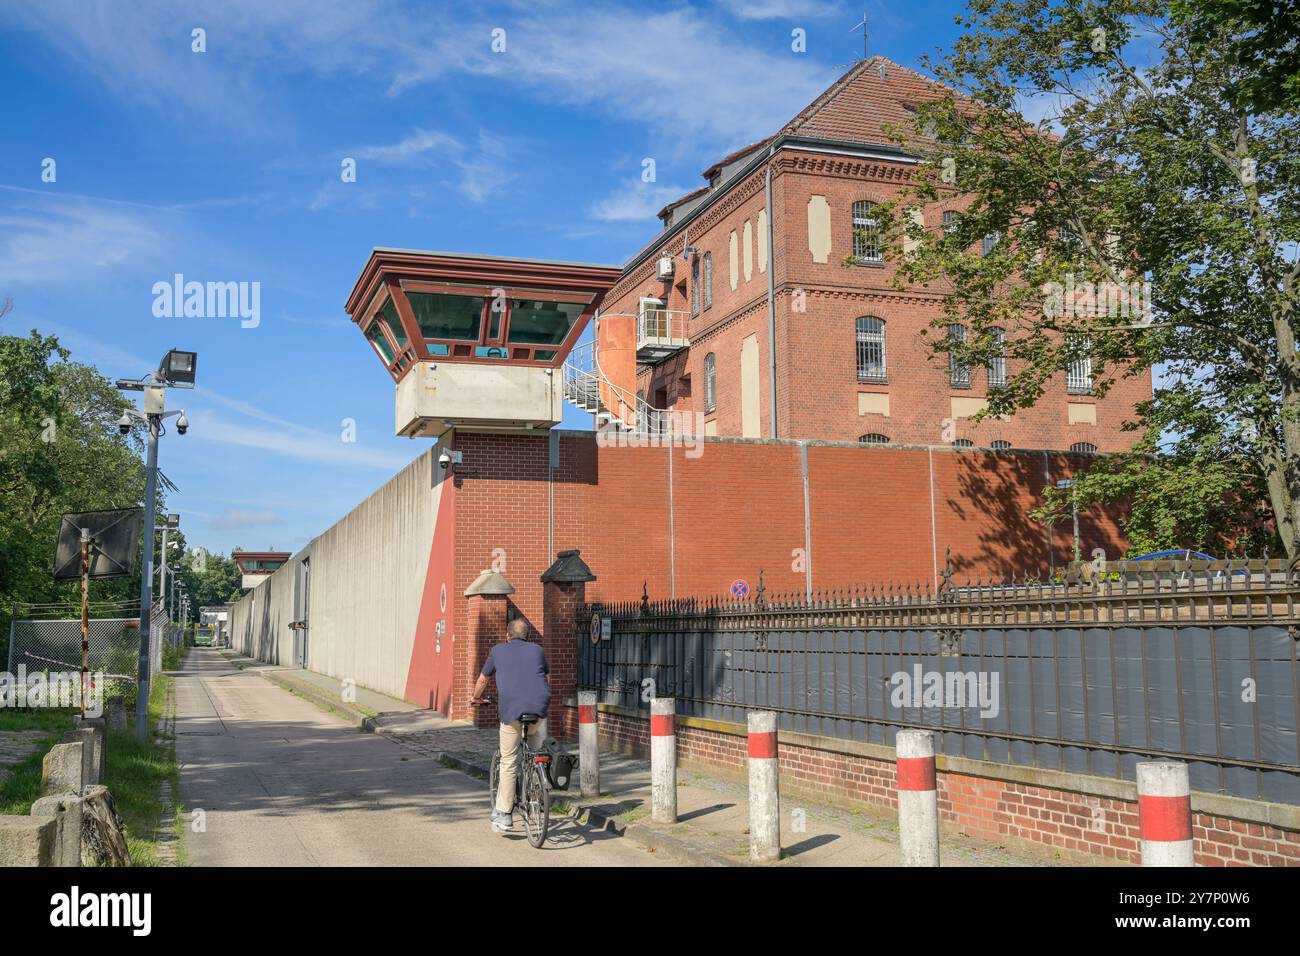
<point x="282" y="783"/>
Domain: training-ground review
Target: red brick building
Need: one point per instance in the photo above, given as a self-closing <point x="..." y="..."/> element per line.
<point x="849" y="363"/>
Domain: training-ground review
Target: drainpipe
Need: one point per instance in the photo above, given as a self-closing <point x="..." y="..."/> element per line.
<point x="771" y="289"/>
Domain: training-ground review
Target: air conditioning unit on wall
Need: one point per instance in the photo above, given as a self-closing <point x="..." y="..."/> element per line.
<point x="664" y="268"/>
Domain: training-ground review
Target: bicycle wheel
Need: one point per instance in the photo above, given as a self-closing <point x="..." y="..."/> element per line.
<point x="537" y="805"/>
<point x="494" y="776"/>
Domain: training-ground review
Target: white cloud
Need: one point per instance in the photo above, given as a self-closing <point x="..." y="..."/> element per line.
<point x="635" y="202"/>
<point x="54" y="237"/>
<point x="779" y="9"/>
<point x="680" y="73"/>
<point x="414" y="146"/>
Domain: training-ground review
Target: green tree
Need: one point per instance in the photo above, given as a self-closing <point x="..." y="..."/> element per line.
<point x="1151" y="167"/>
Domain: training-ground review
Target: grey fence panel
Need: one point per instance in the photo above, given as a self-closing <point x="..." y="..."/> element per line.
<point x="1091" y="677"/>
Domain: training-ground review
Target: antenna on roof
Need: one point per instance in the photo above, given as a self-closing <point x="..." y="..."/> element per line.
<point x="863" y="25"/>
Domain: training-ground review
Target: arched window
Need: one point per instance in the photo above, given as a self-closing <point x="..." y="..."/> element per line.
<point x="998" y="359"/>
<point x="1084" y="446"/>
<point x="874" y="438"/>
<point x="871" y="349"/>
<point x="963" y="443"/>
<point x="710" y="383"/>
<point x="1000" y="445"/>
<point x="866" y="233"/>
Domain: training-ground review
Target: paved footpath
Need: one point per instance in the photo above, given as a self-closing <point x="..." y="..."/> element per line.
<point x="283" y="783"/>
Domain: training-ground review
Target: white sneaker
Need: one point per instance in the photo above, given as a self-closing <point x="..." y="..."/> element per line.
<point x="502" y="822"/>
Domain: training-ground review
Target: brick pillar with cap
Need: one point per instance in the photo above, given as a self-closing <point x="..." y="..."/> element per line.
<point x="564" y="592"/>
<point x="487" y="603"/>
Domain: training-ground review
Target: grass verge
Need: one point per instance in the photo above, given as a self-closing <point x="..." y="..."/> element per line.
<point x="22" y="787"/>
<point x="135" y="773"/>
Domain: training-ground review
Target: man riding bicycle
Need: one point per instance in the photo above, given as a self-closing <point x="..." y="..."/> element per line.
<point x="522" y="688"/>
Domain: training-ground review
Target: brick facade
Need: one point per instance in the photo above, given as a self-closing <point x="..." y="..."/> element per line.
<point x="817" y="302"/>
<point x="1045" y="819"/>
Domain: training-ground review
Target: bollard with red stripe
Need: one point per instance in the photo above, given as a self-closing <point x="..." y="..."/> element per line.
<point x="764" y="788"/>
<point x="1165" y="813"/>
<point x="918" y="798"/>
<point x="588" y="744"/>
<point x="663" y="760"/>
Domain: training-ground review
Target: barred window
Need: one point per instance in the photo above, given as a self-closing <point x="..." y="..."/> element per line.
<point x="874" y="438"/>
<point x="710" y="382"/>
<point x="950" y="221"/>
<point x="1084" y="446"/>
<point x="1078" y="374"/>
<point x="998" y="360"/>
<point x="866" y="233"/>
<point x="871" y="349"/>
<point x="708" y="280"/>
<point x="695" y="285"/>
<point x="963" y="443"/>
<point x="990" y="243"/>
<point x="1000" y="445"/>
<point x="958" y="369"/>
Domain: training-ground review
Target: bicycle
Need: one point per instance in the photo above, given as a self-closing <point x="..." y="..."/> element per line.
<point x="532" y="782"/>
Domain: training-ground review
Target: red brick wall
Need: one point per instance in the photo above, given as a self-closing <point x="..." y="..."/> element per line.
<point x="980" y="807"/>
<point x="738" y="510"/>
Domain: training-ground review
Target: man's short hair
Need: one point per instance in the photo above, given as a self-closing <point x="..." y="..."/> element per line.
<point x="518" y="629"/>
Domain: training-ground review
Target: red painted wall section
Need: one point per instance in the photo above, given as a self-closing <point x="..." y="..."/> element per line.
<point x="431" y="672"/>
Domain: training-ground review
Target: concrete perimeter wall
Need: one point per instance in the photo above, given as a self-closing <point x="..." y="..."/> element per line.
<point x="367" y="580"/>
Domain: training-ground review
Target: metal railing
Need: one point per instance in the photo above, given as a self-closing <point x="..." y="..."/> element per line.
<point x="586" y="386"/>
<point x="1198" y="664"/>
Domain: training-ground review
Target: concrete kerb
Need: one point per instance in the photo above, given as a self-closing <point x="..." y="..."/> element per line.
<point x="320" y="699"/>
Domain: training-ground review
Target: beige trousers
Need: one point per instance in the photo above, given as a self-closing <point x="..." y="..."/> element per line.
<point x="509" y="738"/>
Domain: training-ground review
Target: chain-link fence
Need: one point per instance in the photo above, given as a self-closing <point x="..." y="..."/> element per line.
<point x="52" y="641"/>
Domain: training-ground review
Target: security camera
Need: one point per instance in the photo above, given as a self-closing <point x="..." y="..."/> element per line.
<point x="182" y="424"/>
<point x="444" y="461"/>
<point x="124" y="424"/>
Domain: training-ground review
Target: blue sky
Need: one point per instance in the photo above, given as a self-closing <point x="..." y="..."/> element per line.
<point x="225" y="166"/>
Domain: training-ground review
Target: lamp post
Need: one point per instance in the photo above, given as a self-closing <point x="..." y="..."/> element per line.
<point x="176" y="370"/>
<point x="172" y="523"/>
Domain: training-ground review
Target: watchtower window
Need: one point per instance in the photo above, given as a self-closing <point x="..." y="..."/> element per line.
<point x="376" y="336"/>
<point x="542" y="322"/>
<point x="395" y="329"/>
<point x="458" y="317"/>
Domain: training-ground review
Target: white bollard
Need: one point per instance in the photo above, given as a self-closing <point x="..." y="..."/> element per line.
<point x="918" y="798"/>
<point x="764" y="788"/>
<point x="1165" y="813"/>
<point x="663" y="760"/>
<point x="588" y="744"/>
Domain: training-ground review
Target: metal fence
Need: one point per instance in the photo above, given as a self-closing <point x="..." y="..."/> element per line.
<point x="48" y="638"/>
<point x="1199" y="664"/>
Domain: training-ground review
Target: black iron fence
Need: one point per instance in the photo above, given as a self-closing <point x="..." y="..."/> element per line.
<point x="1197" y="663"/>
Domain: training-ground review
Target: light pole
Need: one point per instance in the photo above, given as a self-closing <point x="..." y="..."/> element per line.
<point x="173" y="522"/>
<point x="1064" y="484"/>
<point x="175" y="371"/>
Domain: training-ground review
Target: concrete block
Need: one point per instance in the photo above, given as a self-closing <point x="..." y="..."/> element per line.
<point x="115" y="710"/>
<point x="63" y="769"/>
<point x="66" y="810"/>
<point x="86" y="737"/>
<point x="28" y="841"/>
<point x="100" y="727"/>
